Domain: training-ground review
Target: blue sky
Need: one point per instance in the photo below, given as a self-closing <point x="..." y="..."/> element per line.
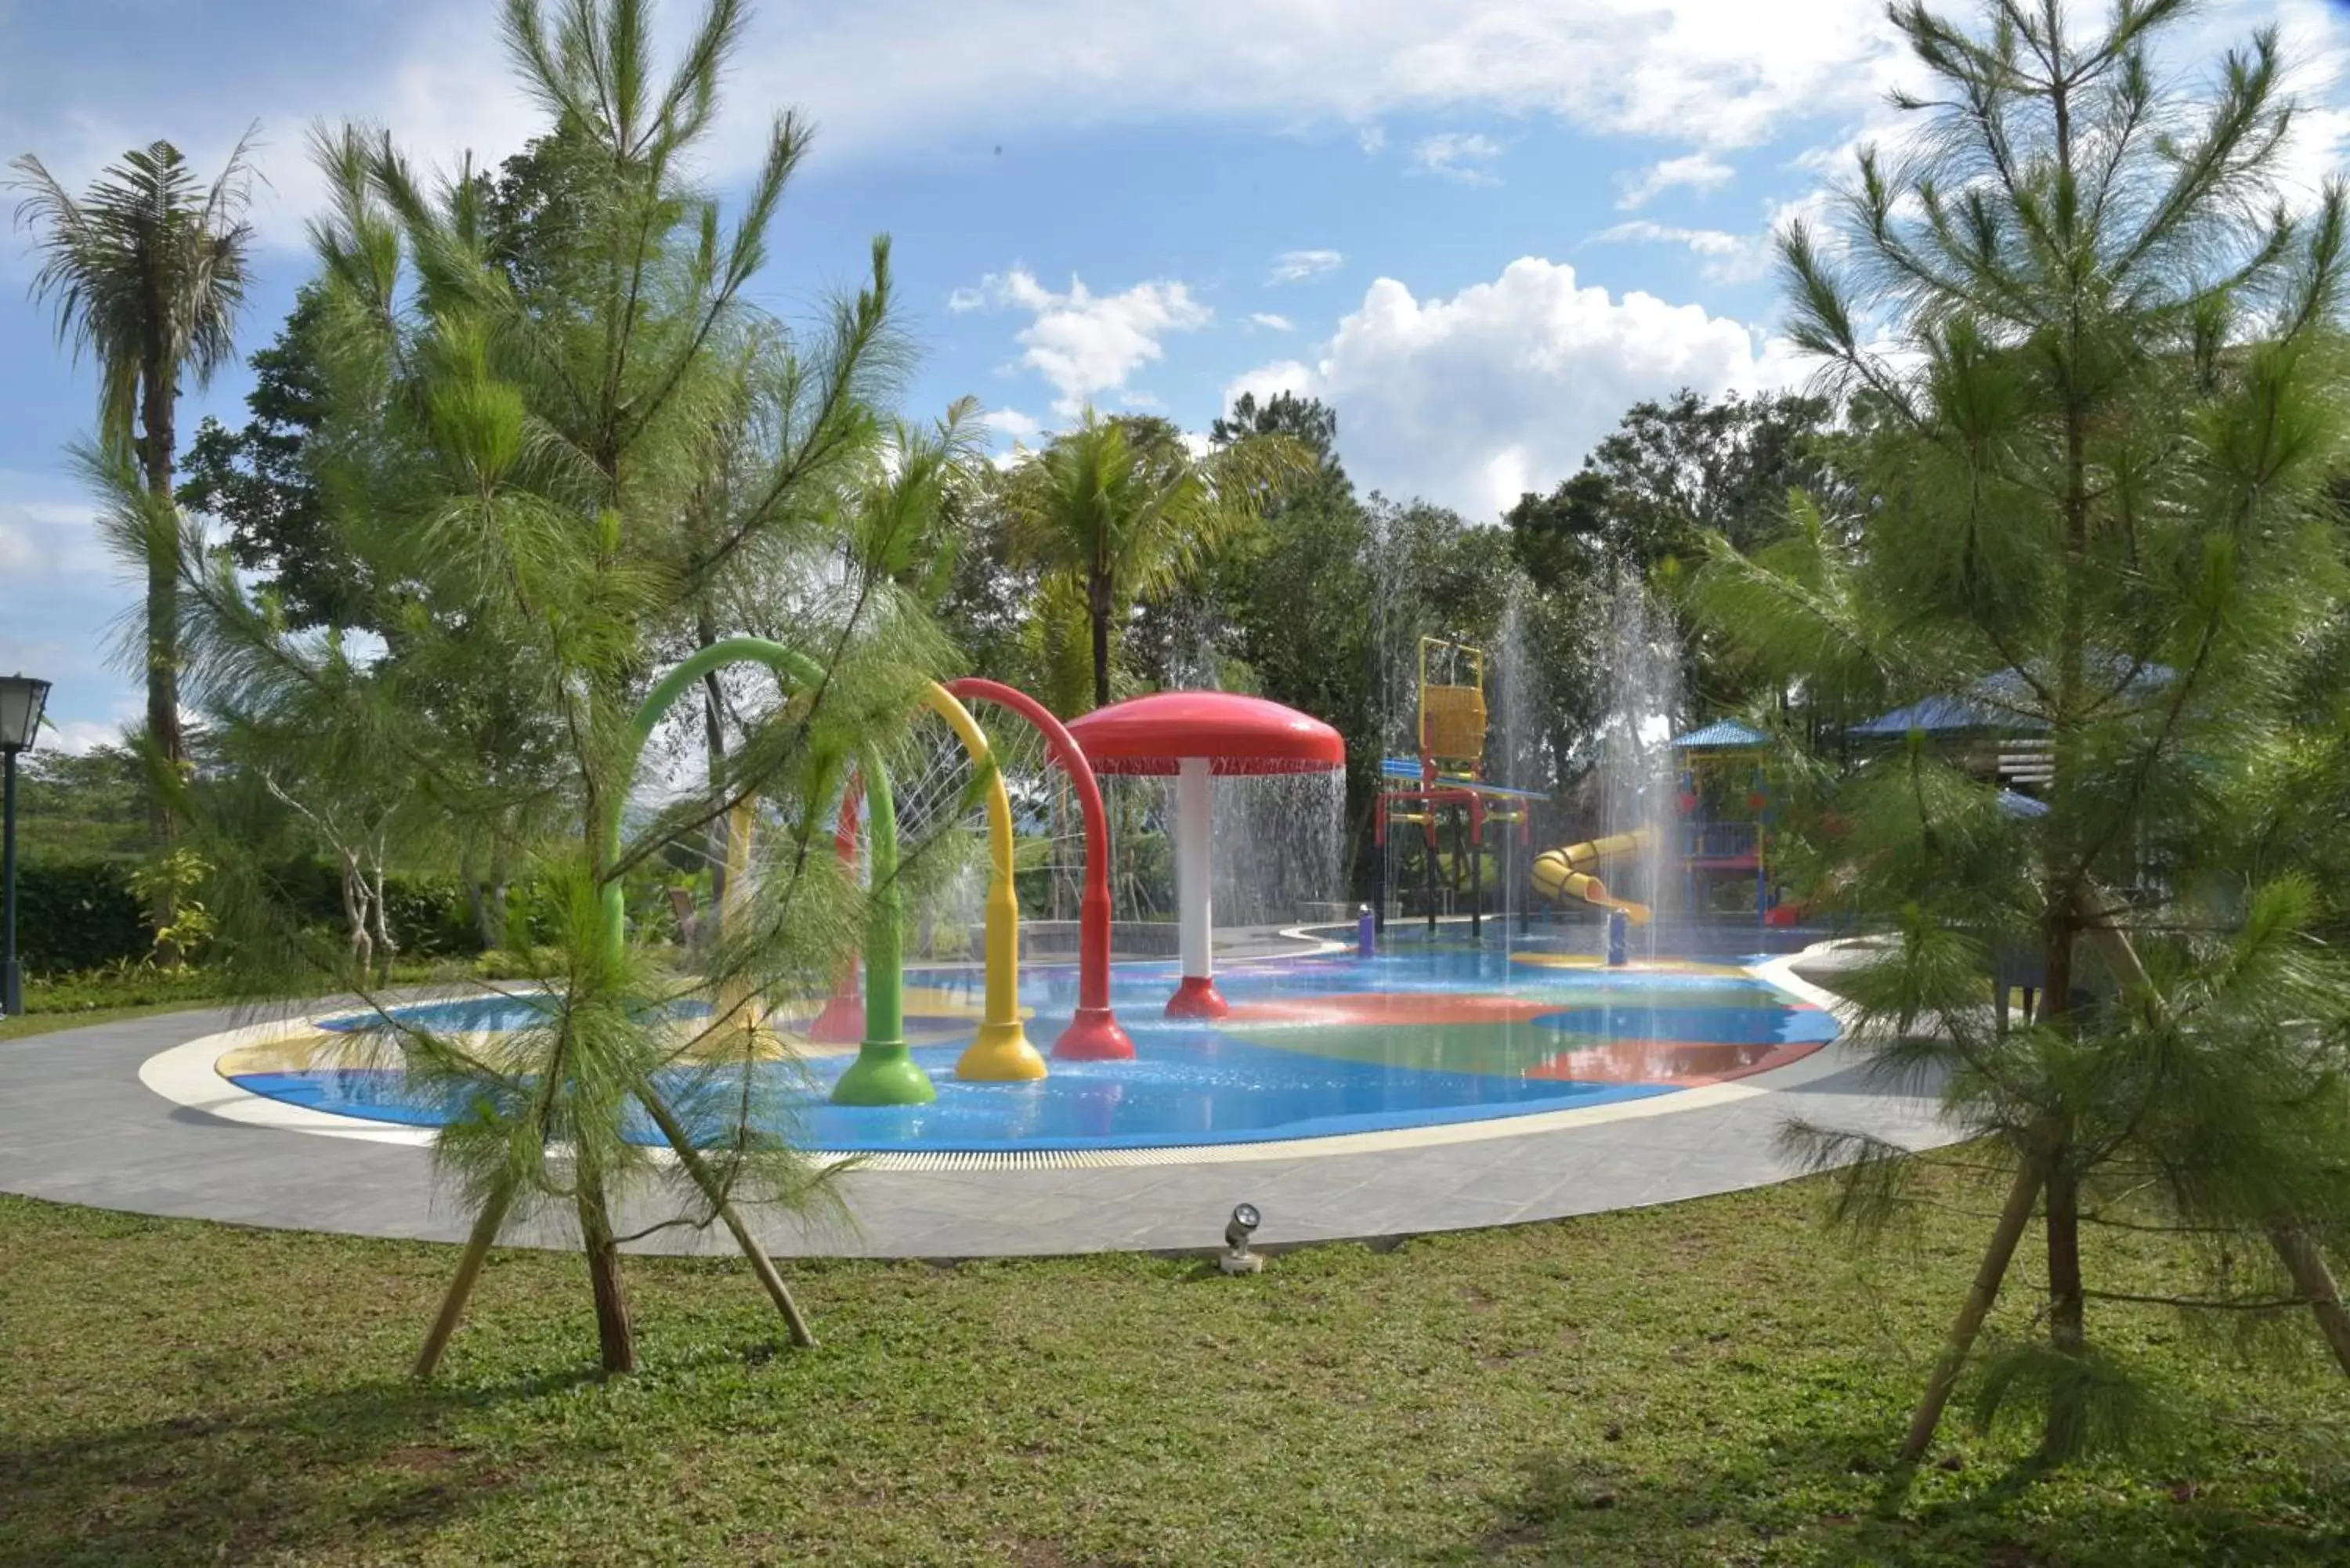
<point x="1478" y="230"/>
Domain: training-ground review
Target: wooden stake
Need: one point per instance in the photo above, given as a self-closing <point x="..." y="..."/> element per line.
<point x="1980" y="1295"/>
<point x="486" y="1225"/>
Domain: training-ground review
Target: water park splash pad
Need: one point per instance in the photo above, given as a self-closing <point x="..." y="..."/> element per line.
<point x="1422" y="1035"/>
<point x="1468" y="1023"/>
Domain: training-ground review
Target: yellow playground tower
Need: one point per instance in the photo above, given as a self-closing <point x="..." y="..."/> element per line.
<point x="1446" y="783"/>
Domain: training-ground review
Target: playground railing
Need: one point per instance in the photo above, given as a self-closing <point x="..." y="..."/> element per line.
<point x="1717" y="840"/>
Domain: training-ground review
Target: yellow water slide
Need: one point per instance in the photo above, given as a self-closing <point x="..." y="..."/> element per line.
<point x="1568" y="873"/>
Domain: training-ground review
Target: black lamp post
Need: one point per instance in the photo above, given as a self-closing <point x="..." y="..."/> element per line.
<point x="22" y="699"/>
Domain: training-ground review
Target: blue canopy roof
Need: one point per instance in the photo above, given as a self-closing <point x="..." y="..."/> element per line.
<point x="1942" y="714"/>
<point x="1720" y="733"/>
<point x="1997" y="698"/>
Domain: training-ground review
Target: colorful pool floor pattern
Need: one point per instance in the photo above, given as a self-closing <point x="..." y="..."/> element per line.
<point x="1425" y="1035"/>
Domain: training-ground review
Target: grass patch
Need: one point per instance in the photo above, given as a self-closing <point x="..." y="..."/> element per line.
<point x="1713" y="1382"/>
<point x="26" y="1023"/>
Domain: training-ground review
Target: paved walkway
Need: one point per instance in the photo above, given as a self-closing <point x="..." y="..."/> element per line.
<point x="76" y="1126"/>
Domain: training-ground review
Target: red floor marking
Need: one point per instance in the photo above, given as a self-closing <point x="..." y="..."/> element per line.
<point x="1396" y="1007"/>
<point x="1685" y="1063"/>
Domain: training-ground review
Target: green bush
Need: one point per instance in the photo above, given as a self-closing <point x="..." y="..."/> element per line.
<point x="123" y="983"/>
<point x="77" y="915"/>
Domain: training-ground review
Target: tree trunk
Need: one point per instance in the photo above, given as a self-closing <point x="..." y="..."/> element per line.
<point x="355" y="916"/>
<point x="2068" y="1332"/>
<point x="384" y="944"/>
<point x="489" y="901"/>
<point x="157" y="393"/>
<point x="713" y="740"/>
<point x="2314" y="1281"/>
<point x="1097" y="607"/>
<point x="615" y="1338"/>
<point x="461" y="1287"/>
<point x="1980" y="1296"/>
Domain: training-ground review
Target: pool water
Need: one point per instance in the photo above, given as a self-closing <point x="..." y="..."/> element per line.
<point x="1431" y="1031"/>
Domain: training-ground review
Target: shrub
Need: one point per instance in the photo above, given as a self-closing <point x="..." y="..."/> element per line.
<point x="76" y="915"/>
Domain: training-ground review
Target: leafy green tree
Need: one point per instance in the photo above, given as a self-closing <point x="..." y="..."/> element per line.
<point x="84" y="806"/>
<point x="525" y="464"/>
<point x="1121" y="510"/>
<point x="258" y="479"/>
<point x="1671" y="474"/>
<point x="148" y="270"/>
<point x="2102" y="419"/>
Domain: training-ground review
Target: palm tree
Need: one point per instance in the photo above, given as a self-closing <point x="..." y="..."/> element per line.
<point x="1121" y="509"/>
<point x="148" y="271"/>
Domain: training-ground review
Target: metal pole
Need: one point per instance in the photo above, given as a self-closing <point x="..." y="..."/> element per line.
<point x="1429" y="843"/>
<point x="1476" y="871"/>
<point x="12" y="980"/>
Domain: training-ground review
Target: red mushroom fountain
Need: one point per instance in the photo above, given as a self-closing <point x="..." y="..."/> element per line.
<point x="1195" y="736"/>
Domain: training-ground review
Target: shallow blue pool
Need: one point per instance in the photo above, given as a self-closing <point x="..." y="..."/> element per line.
<point x="1426" y="1034"/>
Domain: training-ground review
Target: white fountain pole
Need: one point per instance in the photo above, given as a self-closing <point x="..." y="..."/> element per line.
<point x="1196" y="997"/>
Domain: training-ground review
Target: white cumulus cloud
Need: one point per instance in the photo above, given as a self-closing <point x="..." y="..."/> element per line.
<point x="1697" y="171"/>
<point x="1728" y="258"/>
<point x="1273" y="323"/>
<point x="1085" y="343"/>
<point x="1013" y="425"/>
<point x="1465" y="156"/>
<point x="1501" y="388"/>
<point x="1296" y="266"/>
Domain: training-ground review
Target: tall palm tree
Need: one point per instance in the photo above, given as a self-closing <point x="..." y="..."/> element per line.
<point x="1121" y="509"/>
<point x="148" y="270"/>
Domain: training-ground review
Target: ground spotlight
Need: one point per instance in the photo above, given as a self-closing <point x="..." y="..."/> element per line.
<point x="1236" y="1258"/>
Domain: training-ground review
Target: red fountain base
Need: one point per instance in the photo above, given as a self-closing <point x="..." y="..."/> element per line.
<point x="1094" y="1035"/>
<point x="842" y="1021"/>
<point x="1197" y="997"/>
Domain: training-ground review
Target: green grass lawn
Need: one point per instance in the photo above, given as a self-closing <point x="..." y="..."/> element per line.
<point x="1713" y="1382"/>
<point x="26" y="1023"/>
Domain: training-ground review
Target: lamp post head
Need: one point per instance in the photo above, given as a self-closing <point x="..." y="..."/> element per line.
<point x="22" y="698"/>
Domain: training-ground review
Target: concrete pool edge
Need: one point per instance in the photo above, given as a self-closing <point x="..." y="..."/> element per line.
<point x="187" y="1075"/>
<point x="77" y="1126"/>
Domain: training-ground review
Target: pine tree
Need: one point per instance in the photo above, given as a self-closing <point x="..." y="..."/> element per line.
<point x="525" y="467"/>
<point x="2092" y="350"/>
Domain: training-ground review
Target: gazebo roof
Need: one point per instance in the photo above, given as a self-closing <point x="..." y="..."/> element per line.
<point x="1236" y="734"/>
<point x="1720" y="735"/>
<point x="1945" y="715"/>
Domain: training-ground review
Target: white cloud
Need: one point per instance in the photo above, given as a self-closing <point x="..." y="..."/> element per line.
<point x="1708" y="73"/>
<point x="1013" y="425"/>
<point x="43" y="534"/>
<point x="78" y="737"/>
<point x="69" y="602"/>
<point x="905" y="78"/>
<point x="1704" y="241"/>
<point x="1373" y="139"/>
<point x="1272" y="323"/>
<point x="1729" y="258"/>
<point x="1464" y="156"/>
<point x="1697" y="171"/>
<point x="435" y="76"/>
<point x="1296" y="266"/>
<point x="1085" y="343"/>
<point x="1503" y="386"/>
